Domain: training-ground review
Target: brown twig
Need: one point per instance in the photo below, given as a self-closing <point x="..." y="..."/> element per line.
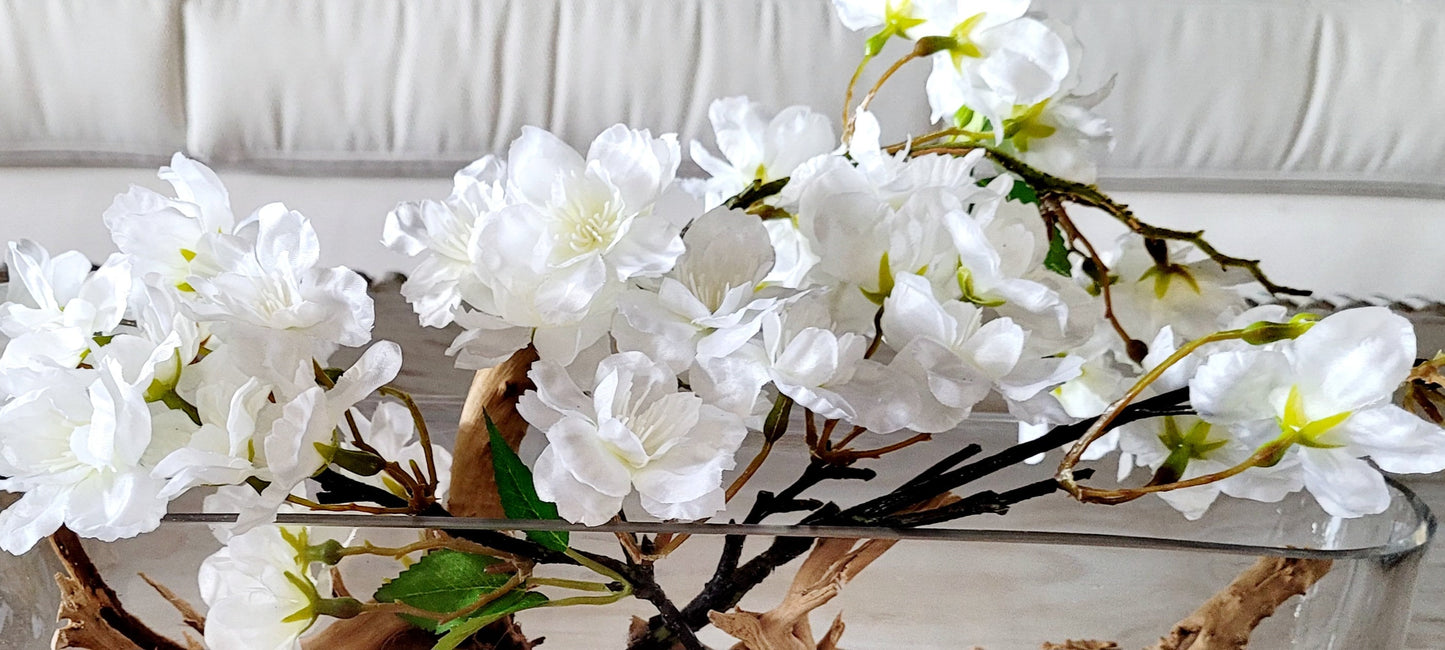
<point x="192" y="618"/>
<point x="1054" y="212"/>
<point x="93" y="615"/>
<point x="873" y="92"/>
<point x="423" y="435"/>
<point x="846" y="456"/>
<point x="1090" y="196"/>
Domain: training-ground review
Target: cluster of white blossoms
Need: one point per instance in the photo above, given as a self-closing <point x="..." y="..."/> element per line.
<point x="999" y="75"/>
<point x="887" y="287"/>
<point x="868" y="284"/>
<point x="189" y="358"/>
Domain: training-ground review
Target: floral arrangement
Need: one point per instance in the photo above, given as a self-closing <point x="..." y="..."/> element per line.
<point x="875" y="293"/>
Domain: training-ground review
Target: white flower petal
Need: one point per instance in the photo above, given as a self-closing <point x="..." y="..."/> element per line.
<point x="1396" y="440"/>
<point x="1343" y="486"/>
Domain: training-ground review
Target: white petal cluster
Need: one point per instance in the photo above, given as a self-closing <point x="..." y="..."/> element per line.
<point x="757" y="148"/>
<point x="189" y="358"/>
<point x="1327" y="394"/>
<point x="632" y="429"/>
<point x="537" y="249"/>
<point x="260" y="589"/>
<point x="890" y="291"/>
<point x="1004" y="77"/>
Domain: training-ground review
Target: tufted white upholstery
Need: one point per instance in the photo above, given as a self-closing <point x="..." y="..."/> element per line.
<point x="90" y="81"/>
<point x="1295" y="116"/>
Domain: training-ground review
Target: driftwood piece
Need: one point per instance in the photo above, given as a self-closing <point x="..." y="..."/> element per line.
<point x="831" y="564"/>
<point x="92" y="615"/>
<point x="387" y="631"/>
<point x="1082" y="644"/>
<point x="192" y="618"/>
<point x="493" y="392"/>
<point x="1225" y="621"/>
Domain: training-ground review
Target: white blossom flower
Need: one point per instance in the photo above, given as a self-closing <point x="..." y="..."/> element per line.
<point x="1327" y="395"/>
<point x="1187" y="446"/>
<point x="712" y="301"/>
<point x="756" y="147"/>
<point x="171" y="237"/>
<point x="443" y="234"/>
<point x="271" y="298"/>
<point x="552" y="262"/>
<point x="634" y="430"/>
<point x="597" y="213"/>
<point x="297" y="445"/>
<point x="55" y="306"/>
<point x="1062" y="135"/>
<point x="959" y="357"/>
<point x="1001" y="59"/>
<point x="993" y="260"/>
<point x="883" y="217"/>
<point x="808" y="360"/>
<point x="1188" y="292"/>
<point x="75" y="447"/>
<point x="260" y="591"/>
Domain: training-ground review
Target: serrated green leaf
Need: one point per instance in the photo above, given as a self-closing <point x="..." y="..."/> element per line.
<point x="443" y="581"/>
<point x="460" y="630"/>
<point x="519" y="494"/>
<point x="1058" y="258"/>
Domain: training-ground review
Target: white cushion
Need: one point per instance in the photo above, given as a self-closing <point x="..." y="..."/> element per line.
<point x="1276" y="95"/>
<point x="352" y="85"/>
<point x="90" y="81"/>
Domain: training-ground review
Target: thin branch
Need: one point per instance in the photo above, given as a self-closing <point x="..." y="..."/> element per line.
<point x="192" y="618"/>
<point x="845" y="456"/>
<point x="421" y="431"/>
<point x="1054" y="211"/>
<point x="1089" y="195"/>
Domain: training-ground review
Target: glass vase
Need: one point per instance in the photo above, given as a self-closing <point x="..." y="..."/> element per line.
<point x="1051" y="570"/>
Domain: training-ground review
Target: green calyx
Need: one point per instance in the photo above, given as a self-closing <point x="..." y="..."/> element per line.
<point x="327" y="552"/>
<point x="1164" y="276"/>
<point x="1296" y="426"/>
<point x="361" y="463"/>
<point x="1267" y="332"/>
<point x="1027" y="125"/>
<point x="1185" y="446"/>
<point x="963" y="46"/>
<point x="965" y="284"/>
<point x="885" y="282"/>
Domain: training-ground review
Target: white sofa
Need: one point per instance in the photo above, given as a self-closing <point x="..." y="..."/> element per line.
<point x="1302" y="131"/>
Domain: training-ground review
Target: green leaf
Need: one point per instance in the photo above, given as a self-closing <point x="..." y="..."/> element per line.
<point x="443" y="581"/>
<point x="1023" y="193"/>
<point x="460" y="630"/>
<point x="519" y="494"/>
<point x="1058" y="258"/>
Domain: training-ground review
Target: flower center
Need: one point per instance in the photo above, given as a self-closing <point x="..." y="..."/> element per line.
<point x="1296" y="425"/>
<point x="587" y="228"/>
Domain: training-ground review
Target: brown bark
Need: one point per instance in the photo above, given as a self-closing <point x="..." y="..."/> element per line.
<point x="1225" y="621"/>
<point x="831" y="564"/>
<point x="92" y="614"/>
<point x="494" y="392"/>
<point x="387" y="631"/>
<point x="192" y="618"/>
